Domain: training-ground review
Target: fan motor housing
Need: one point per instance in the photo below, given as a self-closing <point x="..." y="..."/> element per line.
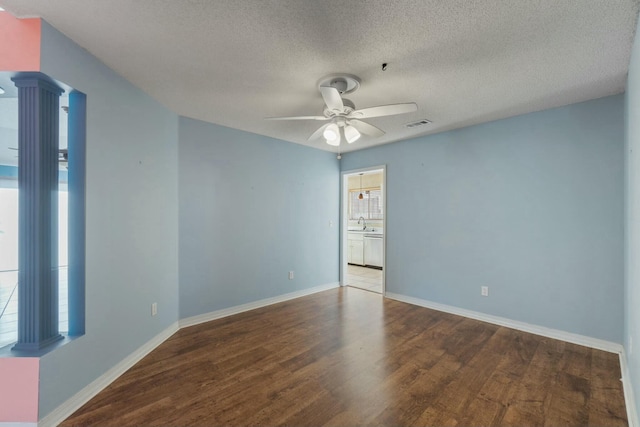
<point x="349" y="107"/>
<point x="344" y="83"/>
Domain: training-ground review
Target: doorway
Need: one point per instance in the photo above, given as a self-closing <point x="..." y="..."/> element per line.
<point x="363" y="225"/>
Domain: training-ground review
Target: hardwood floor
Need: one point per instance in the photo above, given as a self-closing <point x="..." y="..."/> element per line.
<point x="346" y="357"/>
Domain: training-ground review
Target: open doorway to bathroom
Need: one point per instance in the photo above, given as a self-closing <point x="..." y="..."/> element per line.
<point x="363" y="229"/>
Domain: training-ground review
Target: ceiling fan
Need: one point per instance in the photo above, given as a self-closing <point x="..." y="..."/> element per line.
<point x="344" y="119"/>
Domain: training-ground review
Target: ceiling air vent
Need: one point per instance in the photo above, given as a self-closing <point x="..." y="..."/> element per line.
<point x="418" y="123"/>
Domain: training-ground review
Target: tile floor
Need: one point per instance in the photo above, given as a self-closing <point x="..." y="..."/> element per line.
<point x="369" y="279"/>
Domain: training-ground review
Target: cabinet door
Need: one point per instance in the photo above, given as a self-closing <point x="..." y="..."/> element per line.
<point x="357" y="252"/>
<point x="349" y="251"/>
<point x="373" y="249"/>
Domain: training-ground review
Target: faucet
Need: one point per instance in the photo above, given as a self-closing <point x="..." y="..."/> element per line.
<point x="364" y="223"/>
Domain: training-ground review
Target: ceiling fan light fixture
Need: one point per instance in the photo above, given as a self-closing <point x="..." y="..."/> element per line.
<point x="351" y="134"/>
<point x="344" y="120"/>
<point x="334" y="142"/>
<point x="332" y="134"/>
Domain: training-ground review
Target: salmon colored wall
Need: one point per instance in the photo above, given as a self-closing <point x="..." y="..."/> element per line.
<point x="19" y="43"/>
<point x="19" y="389"/>
<point x="19" y="376"/>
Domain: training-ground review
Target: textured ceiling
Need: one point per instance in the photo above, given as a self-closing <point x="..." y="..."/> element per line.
<point x="463" y="62"/>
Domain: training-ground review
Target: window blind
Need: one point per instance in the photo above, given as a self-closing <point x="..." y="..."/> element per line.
<point x="369" y="207"/>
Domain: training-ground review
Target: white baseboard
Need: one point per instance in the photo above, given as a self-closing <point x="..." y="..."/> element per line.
<point x="514" y="324"/>
<point x="629" y="397"/>
<point x="12" y="424"/>
<point x="632" y="412"/>
<point x="83" y="396"/>
<point x="218" y="314"/>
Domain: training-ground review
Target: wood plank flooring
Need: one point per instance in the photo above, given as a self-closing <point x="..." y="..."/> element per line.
<point x="348" y="357"/>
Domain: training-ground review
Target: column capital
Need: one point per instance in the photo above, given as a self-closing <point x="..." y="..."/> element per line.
<point x="38" y="80"/>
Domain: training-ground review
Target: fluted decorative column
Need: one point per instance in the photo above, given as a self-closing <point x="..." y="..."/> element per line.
<point x="38" y="103"/>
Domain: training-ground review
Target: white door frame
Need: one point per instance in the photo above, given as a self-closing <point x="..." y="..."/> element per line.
<point x="344" y="221"/>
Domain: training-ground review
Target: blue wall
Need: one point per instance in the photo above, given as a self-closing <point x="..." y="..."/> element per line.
<point x="531" y="206"/>
<point x="252" y="209"/>
<point x="632" y="221"/>
<point x="8" y="171"/>
<point x="131" y="217"/>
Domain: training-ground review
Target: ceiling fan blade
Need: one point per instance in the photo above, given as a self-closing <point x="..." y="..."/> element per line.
<point x="298" y="118"/>
<point x="385" y="110"/>
<point x="332" y="98"/>
<point x="317" y="134"/>
<point x="366" y="128"/>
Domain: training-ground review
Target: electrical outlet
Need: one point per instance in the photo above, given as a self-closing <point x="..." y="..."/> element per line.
<point x="154" y="308"/>
<point x="484" y="291"/>
<point x="291" y="275"/>
<point x="330" y="224"/>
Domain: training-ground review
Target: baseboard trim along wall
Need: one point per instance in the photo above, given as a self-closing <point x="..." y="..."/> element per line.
<point x="611" y="347"/>
<point x="218" y="314"/>
<point x="7" y="424"/>
<point x="513" y="324"/>
<point x="629" y="397"/>
<point x="63" y="411"/>
<point x="83" y="396"/>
